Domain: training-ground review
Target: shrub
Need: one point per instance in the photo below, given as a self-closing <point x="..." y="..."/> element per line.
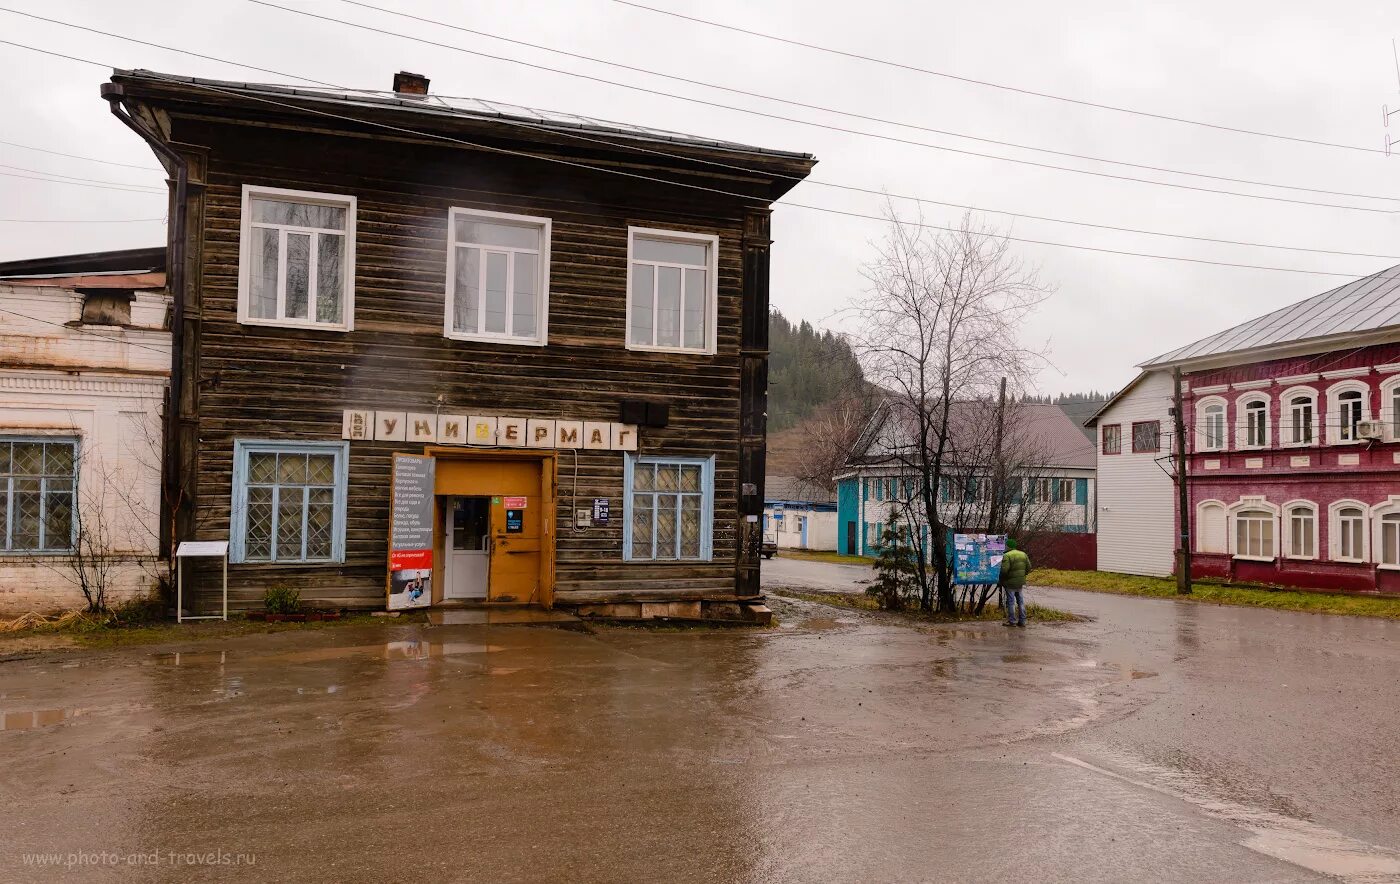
<point x="282" y="600"/>
<point x="148" y="608"/>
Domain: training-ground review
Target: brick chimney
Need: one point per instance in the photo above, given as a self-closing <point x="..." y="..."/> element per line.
<point x="410" y="84"/>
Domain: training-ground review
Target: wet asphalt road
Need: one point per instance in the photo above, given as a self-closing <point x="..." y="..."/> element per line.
<point x="1161" y="741"/>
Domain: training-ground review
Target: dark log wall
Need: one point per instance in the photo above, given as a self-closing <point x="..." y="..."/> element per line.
<point x="257" y="382"/>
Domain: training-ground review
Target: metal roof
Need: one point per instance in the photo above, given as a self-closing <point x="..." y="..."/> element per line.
<point x="117" y="261"/>
<point x="458" y="107"/>
<point x="1369" y="304"/>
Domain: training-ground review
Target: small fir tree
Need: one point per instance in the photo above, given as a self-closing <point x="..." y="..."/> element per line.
<point x="894" y="583"/>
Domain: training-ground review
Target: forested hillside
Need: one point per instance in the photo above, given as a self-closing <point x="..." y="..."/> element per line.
<point x="1079" y="406"/>
<point x="806" y="369"/>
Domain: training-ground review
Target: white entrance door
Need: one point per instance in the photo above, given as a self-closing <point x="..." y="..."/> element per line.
<point x="468" y="533"/>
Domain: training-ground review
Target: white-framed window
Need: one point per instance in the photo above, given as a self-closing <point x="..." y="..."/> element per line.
<point x="497" y="277"/>
<point x="1210" y="527"/>
<point x="1300" y="538"/>
<point x="38" y="481"/>
<point x="297" y="259"/>
<point x="1388" y="539"/>
<point x="1064" y="491"/>
<point x="1252" y="413"/>
<point x="670" y="508"/>
<point x="1254" y="534"/>
<point x="1299" y="416"/>
<point x="1211" y="417"/>
<point x="1390" y="407"/>
<point x="1348" y="405"/>
<point x="1348" y="531"/>
<point x="672" y="290"/>
<point x="288" y="501"/>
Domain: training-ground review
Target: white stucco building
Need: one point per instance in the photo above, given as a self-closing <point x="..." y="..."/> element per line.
<point x="84" y="368"/>
<point x="797" y="515"/>
<point x="1135" y="507"/>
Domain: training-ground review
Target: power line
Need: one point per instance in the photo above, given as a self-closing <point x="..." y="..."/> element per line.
<point x="843" y="129"/>
<point x="638" y="176"/>
<point x="141" y="190"/>
<point x="794" y="178"/>
<point x="74" y="156"/>
<point x="77" y="220"/>
<point x="49" y="174"/>
<point x="833" y="110"/>
<point x="970" y="80"/>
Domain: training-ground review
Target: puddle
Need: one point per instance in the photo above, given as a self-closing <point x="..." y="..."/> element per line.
<point x="21" y="721"/>
<point x="1292" y="840"/>
<point x="1016" y="658"/>
<point x="497" y="616"/>
<point x="819" y="624"/>
<point x="411" y="649"/>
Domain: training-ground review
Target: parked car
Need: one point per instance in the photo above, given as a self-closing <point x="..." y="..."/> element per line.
<point x="770" y="546"/>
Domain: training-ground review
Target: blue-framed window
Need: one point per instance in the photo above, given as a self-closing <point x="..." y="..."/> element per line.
<point x="670" y="504"/>
<point x="288" y="501"/>
<point x="38" y="480"/>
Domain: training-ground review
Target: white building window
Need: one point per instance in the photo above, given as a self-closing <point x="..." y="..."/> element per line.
<point x="1389" y="532"/>
<point x="1301" y="518"/>
<point x="497" y="277"/>
<point x="1212" y="420"/>
<point x="297" y="259"/>
<point x="1299" y="417"/>
<point x="1254" y="534"/>
<point x="672" y="290"/>
<point x="1348" y="530"/>
<point x="1252" y="412"/>
<point x="1348" y="406"/>
<point x="1210" y="527"/>
<point x="1390" y="407"/>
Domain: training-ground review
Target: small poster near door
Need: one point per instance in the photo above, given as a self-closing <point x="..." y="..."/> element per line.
<point x="411" y="532"/>
<point x="601" y="506"/>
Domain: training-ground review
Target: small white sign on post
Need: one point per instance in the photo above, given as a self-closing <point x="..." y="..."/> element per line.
<point x="199" y="549"/>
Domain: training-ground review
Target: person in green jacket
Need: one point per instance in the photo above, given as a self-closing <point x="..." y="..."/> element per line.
<point x="1015" y="565"/>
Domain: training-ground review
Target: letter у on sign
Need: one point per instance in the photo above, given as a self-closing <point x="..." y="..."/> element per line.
<point x="487" y="430"/>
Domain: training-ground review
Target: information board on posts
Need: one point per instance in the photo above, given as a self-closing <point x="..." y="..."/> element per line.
<point x="977" y="557"/>
<point x="411" y="532"/>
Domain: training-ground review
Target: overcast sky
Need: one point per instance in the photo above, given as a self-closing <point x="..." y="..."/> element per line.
<point x="1318" y="71"/>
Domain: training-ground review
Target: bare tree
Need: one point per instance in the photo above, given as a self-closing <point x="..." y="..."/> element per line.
<point x="940" y="325"/>
<point x="832" y="435"/>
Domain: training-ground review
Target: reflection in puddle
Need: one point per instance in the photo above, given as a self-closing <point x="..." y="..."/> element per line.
<point x="412" y="649"/>
<point x="19" y="721"/>
<point x="819" y="623"/>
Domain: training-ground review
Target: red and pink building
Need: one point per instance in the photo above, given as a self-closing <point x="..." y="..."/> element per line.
<point x="1293" y="424"/>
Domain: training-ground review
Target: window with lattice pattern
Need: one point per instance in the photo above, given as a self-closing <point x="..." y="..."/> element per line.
<point x="37" y="485"/>
<point x="290" y="502"/>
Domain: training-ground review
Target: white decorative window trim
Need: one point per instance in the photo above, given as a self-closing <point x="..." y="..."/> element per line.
<point x="1242" y="422"/>
<point x="1298" y="379"/>
<point x="1251" y="502"/>
<point x="1222" y="542"/>
<point x="546" y="228"/>
<point x="1252" y="385"/>
<point x="711" y="288"/>
<point x="1288" y="510"/>
<point x="245" y="257"/>
<point x="1285" y="417"/>
<point x="1202" y="433"/>
<point x="1390" y="391"/>
<point x="1334" y="531"/>
<point x="1389" y="506"/>
<point x="1388" y="368"/>
<point x="1333" y="423"/>
<point x="1213" y="388"/>
<point x="1346" y="373"/>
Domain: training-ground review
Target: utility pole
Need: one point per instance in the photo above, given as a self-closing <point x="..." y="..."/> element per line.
<point x="1183" y="497"/>
<point x="998" y="466"/>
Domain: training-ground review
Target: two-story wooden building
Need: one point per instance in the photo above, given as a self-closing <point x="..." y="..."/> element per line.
<point x="561" y="322"/>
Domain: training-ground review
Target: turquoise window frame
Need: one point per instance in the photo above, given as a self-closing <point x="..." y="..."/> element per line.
<point x="707" y="506"/>
<point x="238" y="515"/>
